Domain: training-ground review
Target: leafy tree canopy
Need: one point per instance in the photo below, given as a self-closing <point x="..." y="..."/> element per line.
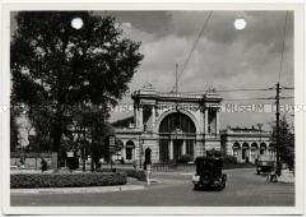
<point x="56" y="67"/>
<point x="286" y="141"/>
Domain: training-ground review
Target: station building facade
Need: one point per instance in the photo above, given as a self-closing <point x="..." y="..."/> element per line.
<point x="247" y="144"/>
<point x="170" y="125"/>
<point x="166" y="126"/>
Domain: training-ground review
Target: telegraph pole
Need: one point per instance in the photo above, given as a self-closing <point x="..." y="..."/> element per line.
<point x="278" y="162"/>
<point x="176" y="86"/>
<point x="176" y="78"/>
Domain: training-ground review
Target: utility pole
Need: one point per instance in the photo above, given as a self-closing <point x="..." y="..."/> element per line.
<point x="260" y="127"/>
<point x="176" y="86"/>
<point x="176" y="78"/>
<point x="278" y="162"/>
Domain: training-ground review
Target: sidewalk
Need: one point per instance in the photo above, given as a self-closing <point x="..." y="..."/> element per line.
<point x="132" y="185"/>
<point x="78" y="190"/>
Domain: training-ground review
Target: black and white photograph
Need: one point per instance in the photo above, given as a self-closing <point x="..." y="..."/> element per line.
<point x="153" y="108"/>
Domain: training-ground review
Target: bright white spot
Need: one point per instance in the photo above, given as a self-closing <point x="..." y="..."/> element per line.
<point x="4" y="108"/>
<point x="240" y="24"/>
<point x="77" y="23"/>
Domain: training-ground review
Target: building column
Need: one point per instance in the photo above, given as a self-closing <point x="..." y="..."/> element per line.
<point x="123" y="155"/>
<point x="206" y="121"/>
<point x="193" y="150"/>
<point x="184" y="150"/>
<point x="250" y="155"/>
<point x="153" y="118"/>
<point x="201" y="121"/>
<point x="141" y="118"/>
<point x="171" y="150"/>
<point x="136" y="112"/>
<point x="134" y="154"/>
<point x="198" y="148"/>
<point x="239" y="155"/>
<point x="135" y="116"/>
<point x="217" y="122"/>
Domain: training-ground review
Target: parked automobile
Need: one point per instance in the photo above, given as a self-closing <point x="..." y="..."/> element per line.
<point x="209" y="174"/>
<point x="265" y="166"/>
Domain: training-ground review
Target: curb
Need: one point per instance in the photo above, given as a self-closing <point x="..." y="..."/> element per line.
<point x="75" y="190"/>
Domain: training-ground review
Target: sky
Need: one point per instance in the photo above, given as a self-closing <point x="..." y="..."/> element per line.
<point x="224" y="57"/>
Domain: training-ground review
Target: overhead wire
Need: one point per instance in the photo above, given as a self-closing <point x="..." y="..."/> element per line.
<point x="256" y="98"/>
<point x="194" y="45"/>
<point x="236" y="89"/>
<point x="283" y="47"/>
<point x="224" y="91"/>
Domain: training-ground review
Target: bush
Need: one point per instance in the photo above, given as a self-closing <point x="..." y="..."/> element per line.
<point x="30" y="155"/>
<point x="138" y="174"/>
<point x="113" y="170"/>
<point x="172" y="162"/>
<point x="228" y="159"/>
<point x="214" y="153"/>
<point x="49" y="180"/>
<point x="184" y="159"/>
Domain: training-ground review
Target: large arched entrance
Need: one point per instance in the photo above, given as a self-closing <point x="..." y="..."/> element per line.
<point x="177" y="134"/>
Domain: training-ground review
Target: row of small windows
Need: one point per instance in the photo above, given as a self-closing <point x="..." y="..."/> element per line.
<point x="129" y="147"/>
<point x="253" y="145"/>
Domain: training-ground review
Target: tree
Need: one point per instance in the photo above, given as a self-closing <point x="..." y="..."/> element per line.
<point x="92" y="134"/>
<point x="14" y="130"/>
<point x="56" y="68"/>
<point x="286" y="142"/>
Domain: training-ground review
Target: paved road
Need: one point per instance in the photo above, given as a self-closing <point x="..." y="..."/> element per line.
<point x="244" y="188"/>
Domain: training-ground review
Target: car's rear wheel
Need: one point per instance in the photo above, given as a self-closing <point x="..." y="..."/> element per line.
<point x="196" y="187"/>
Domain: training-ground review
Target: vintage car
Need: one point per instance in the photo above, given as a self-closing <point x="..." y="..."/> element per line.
<point x="209" y="174"/>
<point x="265" y="166"/>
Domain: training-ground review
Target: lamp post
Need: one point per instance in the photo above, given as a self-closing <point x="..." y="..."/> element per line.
<point x="141" y="141"/>
<point x="259" y="127"/>
<point x="111" y="148"/>
<point x="278" y="160"/>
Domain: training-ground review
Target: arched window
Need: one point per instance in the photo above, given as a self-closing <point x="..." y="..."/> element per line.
<point x="254" y="145"/>
<point x="271" y="149"/>
<point x="177" y="134"/>
<point x="254" y="148"/>
<point x="129" y="150"/>
<point x="263" y="148"/>
<point x="177" y="122"/>
<point x="245" y="147"/>
<point x="236" y="147"/>
<point x="119" y="145"/>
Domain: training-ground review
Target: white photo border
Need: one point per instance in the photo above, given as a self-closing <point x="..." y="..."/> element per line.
<point x="299" y="30"/>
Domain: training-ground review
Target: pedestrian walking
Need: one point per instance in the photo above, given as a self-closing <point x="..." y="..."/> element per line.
<point x="44" y="165"/>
